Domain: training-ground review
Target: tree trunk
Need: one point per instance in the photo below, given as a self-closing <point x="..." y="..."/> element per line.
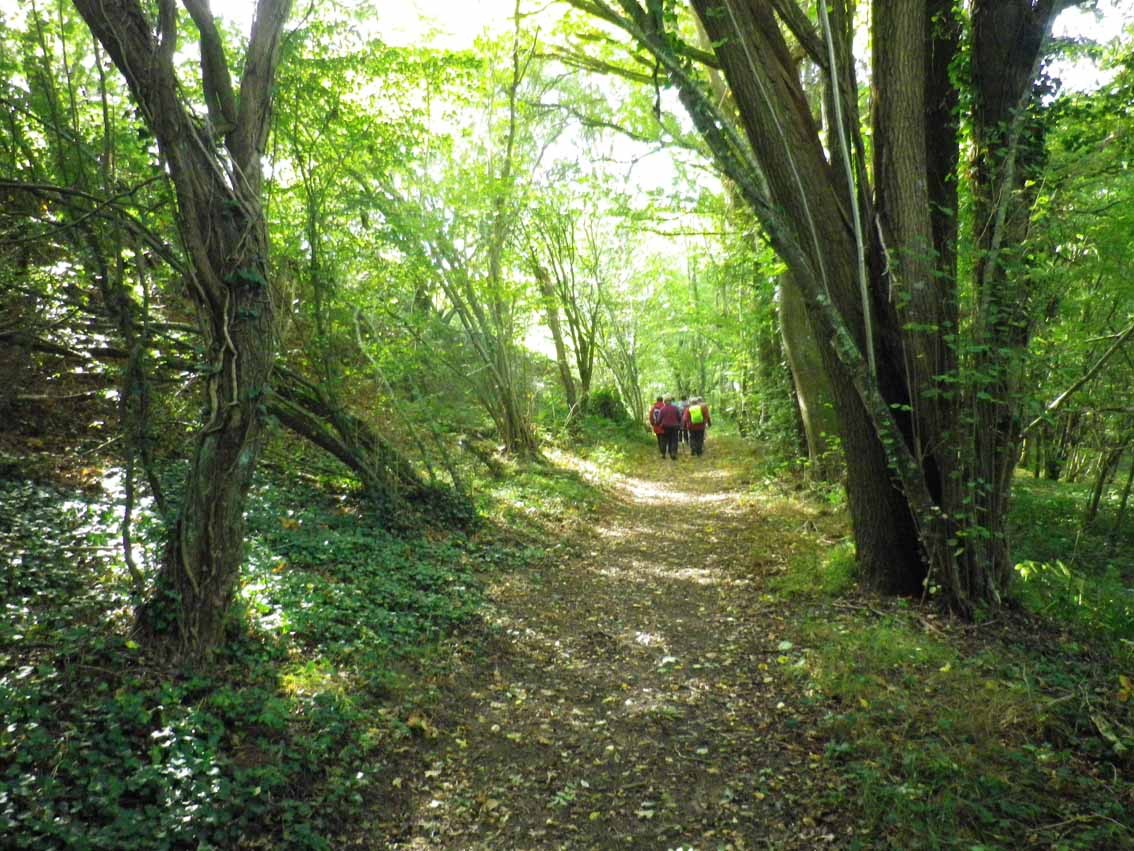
<point x="1059" y="451"/>
<point x="551" y="310"/>
<point x="222" y="227"/>
<point x="811" y="225"/>
<point x="307" y="410"/>
<point x="585" y="361"/>
<point x="1107" y="468"/>
<point x="1007" y="156"/>
<point x="511" y="419"/>
<point x="618" y="349"/>
<point x="812" y="387"/>
<point x="920" y="309"/>
<point x="1120" y="517"/>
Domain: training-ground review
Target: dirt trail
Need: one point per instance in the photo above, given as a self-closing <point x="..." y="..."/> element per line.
<point x="628" y="697"/>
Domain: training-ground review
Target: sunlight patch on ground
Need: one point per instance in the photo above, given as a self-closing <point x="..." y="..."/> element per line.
<point x="648" y="639"/>
<point x="639" y="570"/>
<point x="711" y="473"/>
<point x="672" y="489"/>
<point x="643" y="532"/>
<point x="617" y="532"/>
<point x="602" y="662"/>
<point x="589" y="470"/>
<point x="663" y="492"/>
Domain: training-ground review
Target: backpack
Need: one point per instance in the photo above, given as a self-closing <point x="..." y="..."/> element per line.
<point x="655" y="416"/>
<point x="696" y="414"/>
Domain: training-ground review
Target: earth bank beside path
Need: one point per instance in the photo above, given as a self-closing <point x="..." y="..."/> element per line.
<point x="627" y="692"/>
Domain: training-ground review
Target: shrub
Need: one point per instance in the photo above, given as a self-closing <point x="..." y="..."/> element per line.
<point x="606" y="402"/>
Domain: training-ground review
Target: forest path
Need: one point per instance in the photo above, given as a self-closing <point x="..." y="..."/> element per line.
<point x="631" y="695"/>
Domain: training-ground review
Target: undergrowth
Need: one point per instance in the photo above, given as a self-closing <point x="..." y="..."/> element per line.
<point x="828" y="573"/>
<point x="271" y="746"/>
<point x="612" y="445"/>
<point x="1016" y="731"/>
<point x="949" y="746"/>
<point x="1079" y="575"/>
<point x="279" y="742"/>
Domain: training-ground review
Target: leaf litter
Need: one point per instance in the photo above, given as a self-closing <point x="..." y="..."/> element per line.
<point x="626" y="692"/>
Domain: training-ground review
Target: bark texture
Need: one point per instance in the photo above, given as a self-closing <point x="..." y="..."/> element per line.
<point x="1008" y="40"/>
<point x="309" y="411"/>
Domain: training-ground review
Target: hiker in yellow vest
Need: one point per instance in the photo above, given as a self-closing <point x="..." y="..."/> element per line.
<point x="695" y="420"/>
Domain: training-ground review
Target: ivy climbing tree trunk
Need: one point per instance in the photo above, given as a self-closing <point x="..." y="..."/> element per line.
<point x="784" y="152"/>
<point x="215" y="167"/>
<point x="1007" y="48"/>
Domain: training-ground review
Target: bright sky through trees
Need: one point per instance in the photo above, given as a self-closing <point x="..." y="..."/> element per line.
<point x="452" y="25"/>
<point x="443" y="24"/>
<point x="1101" y="25"/>
<point x="449" y="25"/>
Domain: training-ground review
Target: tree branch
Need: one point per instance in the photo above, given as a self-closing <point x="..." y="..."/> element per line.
<point x="1060" y="400"/>
<point x="800" y="26"/>
<point x="215" y="77"/>
<point x="598" y="66"/>
<point x="254" y="116"/>
<point x="600" y="10"/>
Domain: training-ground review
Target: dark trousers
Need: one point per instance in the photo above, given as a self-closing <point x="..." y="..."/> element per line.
<point x="671" y="436"/>
<point x="697" y="442"/>
<point x="663" y="442"/>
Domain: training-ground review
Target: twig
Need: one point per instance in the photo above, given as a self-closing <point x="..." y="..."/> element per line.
<point x="1079" y="820"/>
<point x="856" y="608"/>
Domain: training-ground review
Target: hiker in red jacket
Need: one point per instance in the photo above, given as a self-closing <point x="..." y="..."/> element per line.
<point x="695" y="420"/>
<point x="655" y="424"/>
<point x="670" y="420"/>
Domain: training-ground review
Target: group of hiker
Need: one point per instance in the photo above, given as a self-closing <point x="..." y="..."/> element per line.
<point x="678" y="424"/>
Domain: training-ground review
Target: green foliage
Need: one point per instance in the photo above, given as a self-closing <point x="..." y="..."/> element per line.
<point x="830" y="573"/>
<point x="949" y="743"/>
<point x="1102" y="606"/>
<point x="537" y="494"/>
<point x="611" y="446"/>
<point x="380" y="212"/>
<point x="763" y="400"/>
<point x="106" y="748"/>
<point x="943" y="750"/>
<point x="327" y="574"/>
<point x="605" y="402"/>
<point x="1081" y="577"/>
